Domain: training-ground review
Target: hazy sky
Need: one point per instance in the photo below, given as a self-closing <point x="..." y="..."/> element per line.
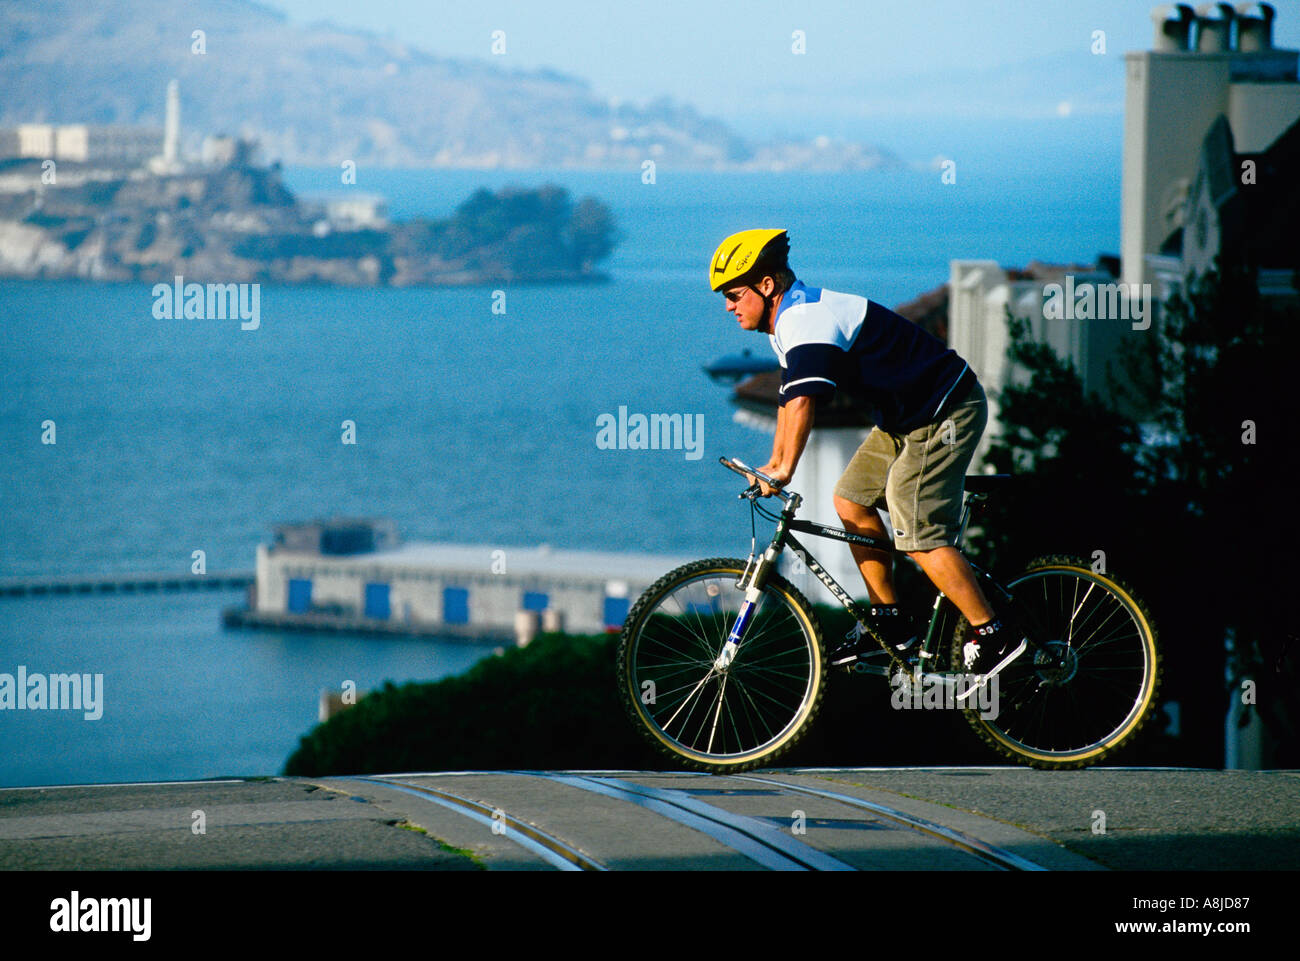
<point x="867" y="64"/>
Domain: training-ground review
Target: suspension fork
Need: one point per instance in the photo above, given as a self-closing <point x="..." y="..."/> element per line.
<point x="751" y="581"/>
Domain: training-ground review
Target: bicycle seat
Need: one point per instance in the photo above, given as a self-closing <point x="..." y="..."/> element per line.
<point x="986" y="483"/>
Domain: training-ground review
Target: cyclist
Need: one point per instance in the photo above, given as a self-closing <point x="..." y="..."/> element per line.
<point x="929" y="411"/>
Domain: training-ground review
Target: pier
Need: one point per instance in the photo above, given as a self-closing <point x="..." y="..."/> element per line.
<point x="124" y="583"/>
<point x="354" y="574"/>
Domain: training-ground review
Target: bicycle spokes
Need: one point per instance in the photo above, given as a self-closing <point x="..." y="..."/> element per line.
<point x="1092" y="676"/>
<point x="728" y="676"/>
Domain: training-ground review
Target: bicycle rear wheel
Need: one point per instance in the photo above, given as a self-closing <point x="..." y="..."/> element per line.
<point x="747" y="713"/>
<point x="1096" y="684"/>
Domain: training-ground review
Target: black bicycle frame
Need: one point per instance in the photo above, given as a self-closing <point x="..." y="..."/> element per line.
<point x="783" y="537"/>
<point x="786" y="523"/>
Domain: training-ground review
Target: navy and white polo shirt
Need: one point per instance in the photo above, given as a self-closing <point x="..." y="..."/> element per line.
<point x="828" y="341"/>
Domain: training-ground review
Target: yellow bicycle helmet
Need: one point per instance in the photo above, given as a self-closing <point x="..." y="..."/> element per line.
<point x="741" y="256"/>
<point x="748" y="257"/>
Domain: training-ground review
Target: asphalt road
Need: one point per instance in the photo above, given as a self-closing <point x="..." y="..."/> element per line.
<point x="950" y="819"/>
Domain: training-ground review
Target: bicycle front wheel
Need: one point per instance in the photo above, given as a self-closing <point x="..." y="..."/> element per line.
<point x="1094" y="683"/>
<point x="735" y="717"/>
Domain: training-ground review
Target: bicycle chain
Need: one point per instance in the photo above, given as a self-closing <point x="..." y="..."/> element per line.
<point x="895" y="665"/>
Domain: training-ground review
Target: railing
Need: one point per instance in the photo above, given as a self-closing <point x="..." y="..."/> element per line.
<point x="125" y="583"/>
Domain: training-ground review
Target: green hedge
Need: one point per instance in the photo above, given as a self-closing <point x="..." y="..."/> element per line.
<point x="555" y="705"/>
<point x="552" y="704"/>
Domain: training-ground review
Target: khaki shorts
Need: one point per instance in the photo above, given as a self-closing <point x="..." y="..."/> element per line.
<point x="919" y="477"/>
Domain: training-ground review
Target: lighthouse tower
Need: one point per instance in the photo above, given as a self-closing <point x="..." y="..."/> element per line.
<point x="172" y="130"/>
<point x="169" y="162"/>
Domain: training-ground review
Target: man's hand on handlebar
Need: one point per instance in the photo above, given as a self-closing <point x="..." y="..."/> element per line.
<point x="776" y="478"/>
<point x="778" y="474"/>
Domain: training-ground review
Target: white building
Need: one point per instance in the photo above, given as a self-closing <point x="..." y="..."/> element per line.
<point x="982" y="293"/>
<point x="356" y="211"/>
<point x="1213" y="61"/>
<point x="86" y="143"/>
<point x="219" y="150"/>
<point x="81" y="143"/>
<point x="36" y="140"/>
<point x="1214" y="87"/>
<point x="353" y="575"/>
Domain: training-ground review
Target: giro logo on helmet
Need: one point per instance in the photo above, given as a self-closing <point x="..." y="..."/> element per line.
<point x="720" y="266"/>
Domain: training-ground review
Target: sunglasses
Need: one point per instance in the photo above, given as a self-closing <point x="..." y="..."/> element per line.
<point x="735" y="295"/>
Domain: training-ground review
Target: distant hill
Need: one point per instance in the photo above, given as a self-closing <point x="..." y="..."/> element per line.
<point x="319" y="95"/>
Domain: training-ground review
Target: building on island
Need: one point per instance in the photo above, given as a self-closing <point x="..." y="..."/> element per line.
<point x="109" y="144"/>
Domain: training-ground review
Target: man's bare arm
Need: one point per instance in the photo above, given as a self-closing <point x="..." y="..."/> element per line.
<point x="794" y="423"/>
<point x="778" y="442"/>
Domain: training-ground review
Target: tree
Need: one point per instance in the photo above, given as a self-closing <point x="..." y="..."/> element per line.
<point x="1225" y="402"/>
<point x="1075" y="460"/>
<point x="592" y="231"/>
<point x="528" y="230"/>
<point x="1193" y="506"/>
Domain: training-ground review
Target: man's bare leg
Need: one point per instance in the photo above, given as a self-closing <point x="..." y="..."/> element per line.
<point x="946" y="567"/>
<point x="949" y="571"/>
<point x="877" y="567"/>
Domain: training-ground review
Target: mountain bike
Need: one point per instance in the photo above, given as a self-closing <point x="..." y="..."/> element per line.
<point x="722" y="665"/>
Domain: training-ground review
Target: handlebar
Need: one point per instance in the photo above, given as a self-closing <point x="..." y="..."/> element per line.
<point x="740" y="468"/>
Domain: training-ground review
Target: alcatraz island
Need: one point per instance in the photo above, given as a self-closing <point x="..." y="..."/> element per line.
<point x="117" y="203"/>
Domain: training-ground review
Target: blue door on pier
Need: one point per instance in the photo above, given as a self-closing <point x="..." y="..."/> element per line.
<point x="616" y="609"/>
<point x="377" y="602"/>
<point x="299" y="595"/>
<point x="455" y="605"/>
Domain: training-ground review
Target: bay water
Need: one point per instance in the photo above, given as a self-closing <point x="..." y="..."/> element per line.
<point x="471" y="425"/>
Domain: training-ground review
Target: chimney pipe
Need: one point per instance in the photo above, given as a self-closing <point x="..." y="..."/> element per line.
<point x="1173" y="27"/>
<point x="1214" y="27"/>
<point x="1255" y="27"/>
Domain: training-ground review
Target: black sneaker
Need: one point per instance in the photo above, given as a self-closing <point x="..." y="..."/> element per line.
<point x="845" y="654"/>
<point x="895" y="630"/>
<point x="988" y="654"/>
